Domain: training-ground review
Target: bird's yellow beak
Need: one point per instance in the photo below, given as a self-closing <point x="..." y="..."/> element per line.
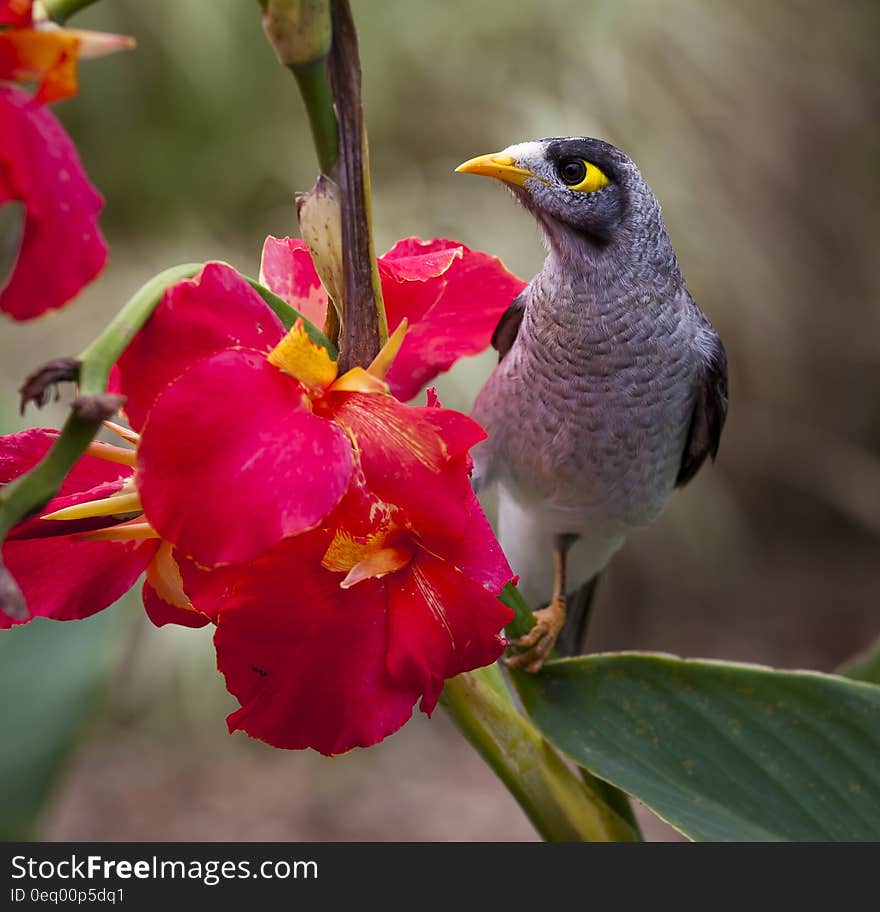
<point x="498" y="166"/>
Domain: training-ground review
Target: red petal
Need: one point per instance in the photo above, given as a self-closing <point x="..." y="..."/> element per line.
<point x="22" y="451"/>
<point x="412" y="457"/>
<point x="16" y="13"/>
<point x="207" y="589"/>
<point x="477" y="553"/>
<point x="360" y="513"/>
<point x="306" y="659"/>
<point x="161" y="612"/>
<point x="470" y="297"/>
<point x="66" y="579"/>
<point x="216" y="310"/>
<point x="232" y="460"/>
<point x="89" y="479"/>
<point x="62" y="248"/>
<point x="287" y="270"/>
<point x="412" y="280"/>
<point x="441" y="623"/>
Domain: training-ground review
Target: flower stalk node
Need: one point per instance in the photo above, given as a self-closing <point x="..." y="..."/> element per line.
<point x="40" y="384"/>
<point x="98" y="408"/>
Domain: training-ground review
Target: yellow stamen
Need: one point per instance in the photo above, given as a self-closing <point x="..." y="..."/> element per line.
<point x="109" y="506"/>
<point x="357" y="380"/>
<point x="381" y="364"/>
<point x="125" y="433"/>
<point x="133" y="530"/>
<point x="365" y="558"/>
<point x="163" y="574"/>
<point x="346" y="551"/>
<point x="111" y="453"/>
<point x="377" y="565"/>
<point x="296" y="354"/>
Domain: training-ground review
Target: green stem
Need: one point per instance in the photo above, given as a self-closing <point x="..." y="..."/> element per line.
<point x="31" y="491"/>
<point x="314" y="86"/>
<point x="61" y="10"/>
<point x="103" y="353"/>
<point x="561" y="807"/>
<point x="522" y="622"/>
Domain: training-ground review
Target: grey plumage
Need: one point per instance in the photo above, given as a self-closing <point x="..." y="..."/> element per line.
<point x="611" y="387"/>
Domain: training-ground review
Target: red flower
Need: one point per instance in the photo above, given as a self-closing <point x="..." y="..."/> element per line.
<point x="66" y="570"/>
<point x="16" y="12"/>
<point x="451" y="296"/>
<point x="62" y="248"/>
<point x="232" y="389"/>
<point x="351" y="561"/>
<point x="317" y="665"/>
<point x="44" y="52"/>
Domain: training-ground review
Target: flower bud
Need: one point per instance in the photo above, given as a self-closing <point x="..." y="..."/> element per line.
<point x="320" y="223"/>
<point x="298" y="30"/>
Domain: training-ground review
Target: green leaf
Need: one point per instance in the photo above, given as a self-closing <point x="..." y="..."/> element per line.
<point x="51" y="674"/>
<point x="721" y="751"/>
<point x="523" y="620"/>
<point x="865" y="666"/>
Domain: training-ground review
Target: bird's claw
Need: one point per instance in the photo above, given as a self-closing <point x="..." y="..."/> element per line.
<point x="537" y="644"/>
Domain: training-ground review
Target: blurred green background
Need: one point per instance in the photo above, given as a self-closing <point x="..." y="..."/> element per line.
<point x="756" y="125"/>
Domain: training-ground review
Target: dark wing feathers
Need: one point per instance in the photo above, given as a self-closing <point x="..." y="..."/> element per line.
<point x="508" y="326"/>
<point x="710" y="410"/>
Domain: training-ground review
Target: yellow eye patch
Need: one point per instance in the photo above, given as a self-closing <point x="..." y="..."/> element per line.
<point x="583" y="176"/>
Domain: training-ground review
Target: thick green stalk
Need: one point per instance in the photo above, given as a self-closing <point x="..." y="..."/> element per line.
<point x="28" y="493"/>
<point x="314" y="86"/>
<point x="61" y="10"/>
<point x="300" y="33"/>
<point x="561" y="807"/>
<point x="522" y="622"/>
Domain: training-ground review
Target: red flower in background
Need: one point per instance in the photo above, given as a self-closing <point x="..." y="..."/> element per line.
<point x="62" y="248"/>
<point x="68" y="569"/>
<point x="45" y="53"/>
<point x="327" y="529"/>
<point x="451" y="296"/>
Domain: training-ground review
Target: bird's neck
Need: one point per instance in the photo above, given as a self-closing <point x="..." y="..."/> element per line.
<point x="583" y="283"/>
<point x="640" y="250"/>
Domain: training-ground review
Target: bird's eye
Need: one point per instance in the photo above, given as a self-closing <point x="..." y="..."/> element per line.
<point x="582" y="176"/>
<point x="573" y="171"/>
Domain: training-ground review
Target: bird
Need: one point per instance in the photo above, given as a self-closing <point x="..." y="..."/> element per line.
<point x="611" y="386"/>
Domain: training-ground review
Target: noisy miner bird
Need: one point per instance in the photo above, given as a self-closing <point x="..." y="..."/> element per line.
<point x="611" y="386"/>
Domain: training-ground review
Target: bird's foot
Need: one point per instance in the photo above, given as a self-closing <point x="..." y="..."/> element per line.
<point x="537" y="644"/>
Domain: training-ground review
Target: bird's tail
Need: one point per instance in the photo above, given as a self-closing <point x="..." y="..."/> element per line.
<point x="572" y="636"/>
